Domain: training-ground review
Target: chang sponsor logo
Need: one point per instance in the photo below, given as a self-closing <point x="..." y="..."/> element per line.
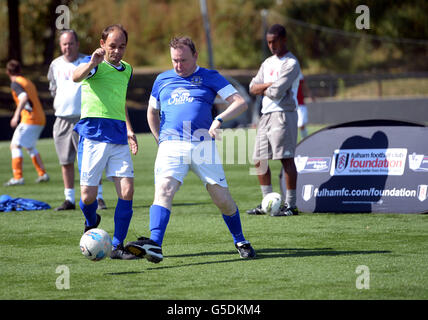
<point x="180" y="96"/>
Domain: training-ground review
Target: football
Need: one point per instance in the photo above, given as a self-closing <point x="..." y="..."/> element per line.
<point x="271" y="203"/>
<point x="95" y="244"/>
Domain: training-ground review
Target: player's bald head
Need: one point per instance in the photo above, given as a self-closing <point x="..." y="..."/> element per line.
<point x="112" y="28"/>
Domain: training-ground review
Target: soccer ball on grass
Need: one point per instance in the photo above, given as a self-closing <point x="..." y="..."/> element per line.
<point x="271" y="203"/>
<point x="95" y="244"/>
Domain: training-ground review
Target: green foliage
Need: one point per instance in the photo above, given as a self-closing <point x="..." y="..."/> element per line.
<point x="344" y="48"/>
<point x="235" y="47"/>
<point x="323" y="34"/>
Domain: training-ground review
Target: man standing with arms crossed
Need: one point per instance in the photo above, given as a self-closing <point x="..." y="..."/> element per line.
<point x="277" y="81"/>
<point x="180" y="118"/>
<point x="106" y="135"/>
<point x="67" y="105"/>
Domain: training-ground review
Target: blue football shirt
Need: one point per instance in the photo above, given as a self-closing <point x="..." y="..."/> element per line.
<point x="186" y="104"/>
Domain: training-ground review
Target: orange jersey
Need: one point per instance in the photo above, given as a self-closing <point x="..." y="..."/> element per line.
<point x="35" y="114"/>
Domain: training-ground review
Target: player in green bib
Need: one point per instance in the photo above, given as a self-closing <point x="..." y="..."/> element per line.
<point x="106" y="135"/>
<point x="105" y="91"/>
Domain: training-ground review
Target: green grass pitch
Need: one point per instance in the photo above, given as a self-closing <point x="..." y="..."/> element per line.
<point x="310" y="256"/>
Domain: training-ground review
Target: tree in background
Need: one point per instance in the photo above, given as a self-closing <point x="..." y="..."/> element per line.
<point x="325" y="36"/>
<point x="322" y="33"/>
<point x="14" y="45"/>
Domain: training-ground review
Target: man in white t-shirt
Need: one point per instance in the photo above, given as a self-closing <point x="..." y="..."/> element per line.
<point x="67" y="105"/>
<point x="277" y="82"/>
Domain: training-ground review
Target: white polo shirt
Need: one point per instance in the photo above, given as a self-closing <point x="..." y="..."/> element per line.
<point x="66" y="92"/>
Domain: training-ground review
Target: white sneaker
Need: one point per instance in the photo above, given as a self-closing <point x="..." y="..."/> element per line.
<point x="43" y="178"/>
<point x="14" y="182"/>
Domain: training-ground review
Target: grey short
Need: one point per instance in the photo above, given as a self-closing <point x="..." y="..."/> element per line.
<point x="66" y="139"/>
<point x="276" y="136"/>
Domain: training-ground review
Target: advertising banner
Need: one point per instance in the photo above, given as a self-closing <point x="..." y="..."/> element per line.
<point x="378" y="166"/>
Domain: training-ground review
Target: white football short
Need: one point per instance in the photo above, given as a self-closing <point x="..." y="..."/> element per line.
<point x="302" y="115"/>
<point x="26" y="135"/>
<point x="176" y="157"/>
<point x="95" y="156"/>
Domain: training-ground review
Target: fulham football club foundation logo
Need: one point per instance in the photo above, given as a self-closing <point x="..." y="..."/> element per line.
<point x="422" y="192"/>
<point x="342" y="159"/>
<point x="307" y="192"/>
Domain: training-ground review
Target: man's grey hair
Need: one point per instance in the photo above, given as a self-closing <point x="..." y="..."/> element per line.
<point x="69" y="31"/>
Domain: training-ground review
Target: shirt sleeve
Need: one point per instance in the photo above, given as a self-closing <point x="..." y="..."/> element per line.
<point x="130" y="77"/>
<point x="289" y="72"/>
<point x="93" y="71"/>
<point x="22" y="95"/>
<point x="258" y="78"/>
<point x="52" y="81"/>
<point x="227" y="91"/>
<point x="154" y="100"/>
<point x="17" y="88"/>
<point x="221" y="86"/>
<point x="154" y="103"/>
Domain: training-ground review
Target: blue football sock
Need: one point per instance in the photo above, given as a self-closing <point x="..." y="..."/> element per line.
<point x="90" y="212"/>
<point x="122" y="219"/>
<point x="159" y="218"/>
<point x="234" y="224"/>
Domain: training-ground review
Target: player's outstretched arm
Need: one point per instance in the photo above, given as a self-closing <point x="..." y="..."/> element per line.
<point x="83" y="70"/>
